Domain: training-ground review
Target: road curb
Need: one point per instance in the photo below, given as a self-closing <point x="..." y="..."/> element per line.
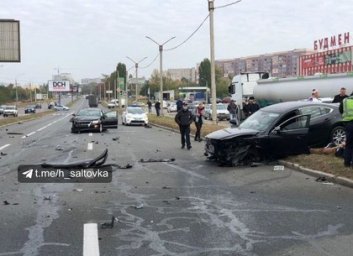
<point x="20" y="121"/>
<point x="336" y="179"/>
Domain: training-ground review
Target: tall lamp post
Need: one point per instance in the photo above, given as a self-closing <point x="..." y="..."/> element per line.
<point x="16" y="87"/>
<point x="136" y="70"/>
<point x="160" y="46"/>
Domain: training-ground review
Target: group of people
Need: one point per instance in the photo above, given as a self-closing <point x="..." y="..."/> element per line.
<point x="346" y="109"/>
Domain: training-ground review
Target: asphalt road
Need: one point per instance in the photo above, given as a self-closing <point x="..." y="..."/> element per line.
<point x="186" y="207"/>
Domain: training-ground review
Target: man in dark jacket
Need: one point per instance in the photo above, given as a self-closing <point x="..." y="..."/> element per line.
<point x="341" y="96"/>
<point x="157" y="106"/>
<point x="184" y="118"/>
<point x="179" y="104"/>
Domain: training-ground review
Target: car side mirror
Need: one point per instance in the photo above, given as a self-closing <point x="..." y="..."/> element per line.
<point x="276" y="130"/>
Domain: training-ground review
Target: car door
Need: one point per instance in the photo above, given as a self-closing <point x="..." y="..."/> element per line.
<point x="290" y="137"/>
<point x="320" y="123"/>
<point x="110" y="120"/>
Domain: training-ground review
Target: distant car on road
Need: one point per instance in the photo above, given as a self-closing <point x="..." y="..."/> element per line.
<point x="134" y="115"/>
<point x="2" y="107"/>
<point x="30" y="109"/>
<point x="222" y="112"/>
<point x="93" y="119"/>
<point x="113" y="103"/>
<point x="172" y="107"/>
<point x="61" y="108"/>
<point x="10" y="111"/>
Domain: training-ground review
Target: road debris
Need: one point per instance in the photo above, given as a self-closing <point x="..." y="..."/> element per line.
<point x="109" y="224"/>
<point x="127" y="166"/>
<point x="59" y="148"/>
<point x="6" y="202"/>
<point x="166" y="201"/>
<point x="3" y="154"/>
<point x="78" y="189"/>
<point x="177" y="198"/>
<point x="115" y="138"/>
<point x="47" y="198"/>
<point x="148" y="126"/>
<point x="151" y="160"/>
<point x="140" y="206"/>
<point x="15" y="133"/>
<point x="166" y="187"/>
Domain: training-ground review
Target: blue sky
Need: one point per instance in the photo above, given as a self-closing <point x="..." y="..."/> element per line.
<point x="88" y="38"/>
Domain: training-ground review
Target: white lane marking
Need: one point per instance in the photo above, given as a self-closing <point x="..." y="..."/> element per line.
<point x="90" y="134"/>
<point x="90" y="239"/>
<point x="31" y="133"/>
<point x="90" y="146"/>
<point x="5" y="146"/>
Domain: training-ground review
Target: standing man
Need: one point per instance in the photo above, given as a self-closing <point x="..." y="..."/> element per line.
<point x="341" y="96"/>
<point x="346" y="108"/>
<point x="253" y="106"/>
<point x="184" y="118"/>
<point x="149" y="104"/>
<point x="315" y="96"/>
<point x="179" y="104"/>
<point x="233" y="111"/>
<point x="157" y="106"/>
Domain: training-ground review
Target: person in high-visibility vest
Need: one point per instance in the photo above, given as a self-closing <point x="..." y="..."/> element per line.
<point x="346" y="109"/>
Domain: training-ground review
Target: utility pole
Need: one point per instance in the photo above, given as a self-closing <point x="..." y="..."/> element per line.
<point x="213" y="68"/>
<point x="160" y="47"/>
<point x="136" y="72"/>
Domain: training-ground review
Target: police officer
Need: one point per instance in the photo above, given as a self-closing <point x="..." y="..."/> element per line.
<point x="346" y="109"/>
<point x="184" y="118"/>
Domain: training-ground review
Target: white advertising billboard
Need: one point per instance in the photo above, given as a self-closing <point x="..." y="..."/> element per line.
<point x="59" y="86"/>
<point x="10" y="50"/>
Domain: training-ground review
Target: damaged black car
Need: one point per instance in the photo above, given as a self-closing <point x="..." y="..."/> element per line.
<point x="275" y="132"/>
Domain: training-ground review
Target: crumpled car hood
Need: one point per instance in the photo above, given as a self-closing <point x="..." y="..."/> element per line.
<point x="229" y="133"/>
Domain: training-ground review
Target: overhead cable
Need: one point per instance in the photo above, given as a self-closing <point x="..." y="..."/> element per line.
<point x="173" y="48"/>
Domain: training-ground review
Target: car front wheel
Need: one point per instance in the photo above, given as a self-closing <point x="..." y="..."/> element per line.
<point x="338" y="135"/>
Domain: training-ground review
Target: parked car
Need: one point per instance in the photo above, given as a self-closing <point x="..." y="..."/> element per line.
<point x="61" y="108"/>
<point x="10" y="111"/>
<point x="2" y="107"/>
<point x="172" y="107"/>
<point x="30" y="109"/>
<point x="222" y="112"/>
<point x="134" y="115"/>
<point x="93" y="119"/>
<point x="113" y="103"/>
<point x="276" y="131"/>
<point x="38" y="106"/>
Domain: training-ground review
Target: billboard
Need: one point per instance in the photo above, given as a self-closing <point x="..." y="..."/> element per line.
<point x="328" y="62"/>
<point x="59" y="86"/>
<point x="10" y="50"/>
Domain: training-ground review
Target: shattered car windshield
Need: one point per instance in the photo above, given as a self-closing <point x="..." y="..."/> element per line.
<point x="260" y="120"/>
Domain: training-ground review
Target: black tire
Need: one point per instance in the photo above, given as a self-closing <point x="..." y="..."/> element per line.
<point x="338" y="135"/>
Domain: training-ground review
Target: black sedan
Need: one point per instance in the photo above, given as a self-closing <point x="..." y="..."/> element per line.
<point x="30" y="109"/>
<point x="93" y="119"/>
<point x="277" y="131"/>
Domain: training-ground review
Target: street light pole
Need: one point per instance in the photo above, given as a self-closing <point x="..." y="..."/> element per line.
<point x="160" y="47"/>
<point x="136" y="72"/>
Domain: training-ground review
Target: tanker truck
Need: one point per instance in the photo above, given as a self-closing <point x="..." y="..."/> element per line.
<point x="267" y="90"/>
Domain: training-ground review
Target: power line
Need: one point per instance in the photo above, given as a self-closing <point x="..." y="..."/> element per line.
<point x="173" y="48"/>
<point x="155" y="58"/>
<point x="222" y="6"/>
